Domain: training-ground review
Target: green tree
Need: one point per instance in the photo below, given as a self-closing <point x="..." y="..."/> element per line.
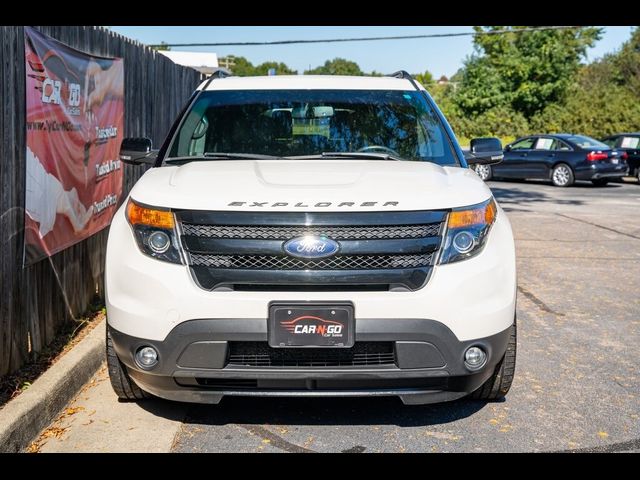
<point x="604" y="96"/>
<point x="426" y="78"/>
<point x="337" y="66"/>
<point x="281" y="69"/>
<point x="163" y="46"/>
<point x="525" y="71"/>
<point x="626" y="63"/>
<point x="457" y="77"/>
<point x="596" y="111"/>
<point x="242" y="67"/>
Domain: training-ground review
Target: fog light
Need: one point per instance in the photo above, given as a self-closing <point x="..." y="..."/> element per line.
<point x="475" y="358"/>
<point x="159" y="242"/>
<point x="147" y="357"/>
<point x="463" y="242"/>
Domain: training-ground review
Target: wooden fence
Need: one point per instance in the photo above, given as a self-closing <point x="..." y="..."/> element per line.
<point x="36" y="301"/>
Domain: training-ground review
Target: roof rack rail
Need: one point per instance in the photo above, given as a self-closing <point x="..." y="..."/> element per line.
<point x="213" y="76"/>
<point x="221" y="74"/>
<point x="403" y="74"/>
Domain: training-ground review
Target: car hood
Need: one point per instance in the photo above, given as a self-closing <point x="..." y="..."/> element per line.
<point x="310" y="185"/>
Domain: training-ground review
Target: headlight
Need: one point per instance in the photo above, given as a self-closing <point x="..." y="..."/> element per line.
<point x="467" y="231"/>
<point x="155" y="232"/>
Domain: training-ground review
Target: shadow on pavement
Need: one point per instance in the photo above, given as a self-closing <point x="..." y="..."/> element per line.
<point x="159" y="407"/>
<point x="517" y="195"/>
<point x="319" y="411"/>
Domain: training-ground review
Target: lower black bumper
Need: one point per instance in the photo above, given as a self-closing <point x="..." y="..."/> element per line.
<point x="427" y="367"/>
<point x="609" y="171"/>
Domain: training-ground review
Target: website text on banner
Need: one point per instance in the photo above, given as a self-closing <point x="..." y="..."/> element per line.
<point x="75" y="119"/>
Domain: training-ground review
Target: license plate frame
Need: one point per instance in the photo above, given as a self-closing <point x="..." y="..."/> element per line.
<point x="287" y="321"/>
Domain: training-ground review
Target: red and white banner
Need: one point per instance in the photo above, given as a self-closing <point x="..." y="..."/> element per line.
<point x="75" y="121"/>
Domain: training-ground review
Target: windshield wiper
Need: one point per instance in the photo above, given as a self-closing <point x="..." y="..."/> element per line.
<point x="356" y="155"/>
<point x="220" y="156"/>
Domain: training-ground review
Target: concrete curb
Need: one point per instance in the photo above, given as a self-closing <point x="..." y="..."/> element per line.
<point x="23" y="418"/>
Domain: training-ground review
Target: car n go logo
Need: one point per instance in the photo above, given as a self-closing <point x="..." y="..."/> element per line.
<point x="310" y="325"/>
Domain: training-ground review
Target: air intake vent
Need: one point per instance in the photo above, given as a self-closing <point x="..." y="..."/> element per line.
<point x="260" y="354"/>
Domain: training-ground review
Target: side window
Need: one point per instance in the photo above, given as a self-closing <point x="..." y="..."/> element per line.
<point x="630" y="142"/>
<point x="525" y="144"/>
<point x="611" y="141"/>
<point x="544" y="143"/>
<point x="560" y="145"/>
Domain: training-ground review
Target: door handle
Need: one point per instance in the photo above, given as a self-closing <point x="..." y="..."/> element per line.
<point x="523" y="154"/>
<point x="551" y="155"/>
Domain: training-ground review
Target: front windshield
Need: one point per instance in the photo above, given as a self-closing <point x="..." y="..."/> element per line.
<point x="295" y="123"/>
<point x="587" y="142"/>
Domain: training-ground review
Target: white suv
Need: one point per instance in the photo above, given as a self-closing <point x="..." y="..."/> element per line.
<point x="311" y="236"/>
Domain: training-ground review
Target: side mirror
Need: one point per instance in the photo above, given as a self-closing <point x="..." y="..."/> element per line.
<point x="507" y="148"/>
<point x="485" y="151"/>
<point x="137" y="151"/>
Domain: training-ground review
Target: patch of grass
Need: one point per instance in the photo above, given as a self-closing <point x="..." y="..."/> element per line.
<point x="14" y="384"/>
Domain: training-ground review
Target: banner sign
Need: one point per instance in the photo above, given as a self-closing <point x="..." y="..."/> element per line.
<point x="75" y="121"/>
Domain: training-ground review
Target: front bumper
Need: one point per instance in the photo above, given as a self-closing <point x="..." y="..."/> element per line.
<point x="194" y="363"/>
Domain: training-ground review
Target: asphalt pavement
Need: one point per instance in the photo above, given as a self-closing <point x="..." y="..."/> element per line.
<point x="577" y="382"/>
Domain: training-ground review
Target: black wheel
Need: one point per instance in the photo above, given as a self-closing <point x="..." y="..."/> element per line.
<point x="638" y="174"/>
<point x="600" y="182"/>
<point x="500" y="382"/>
<point x="121" y="382"/>
<point x="562" y="175"/>
<point x="484" y="171"/>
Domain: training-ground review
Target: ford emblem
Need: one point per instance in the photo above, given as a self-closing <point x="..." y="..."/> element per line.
<point x="311" y="246"/>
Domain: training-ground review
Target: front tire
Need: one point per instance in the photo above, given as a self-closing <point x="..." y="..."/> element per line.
<point x="562" y="175"/>
<point x="122" y="384"/>
<point x="600" y="182"/>
<point x="484" y="171"/>
<point x="500" y="382"/>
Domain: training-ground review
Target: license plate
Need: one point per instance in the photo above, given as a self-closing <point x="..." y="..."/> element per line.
<point x="311" y="325"/>
<point x="615" y="161"/>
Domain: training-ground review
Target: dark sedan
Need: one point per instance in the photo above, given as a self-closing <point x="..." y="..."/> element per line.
<point x="630" y="144"/>
<point x="561" y="158"/>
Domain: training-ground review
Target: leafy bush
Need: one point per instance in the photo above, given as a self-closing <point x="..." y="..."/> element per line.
<point x="596" y="112"/>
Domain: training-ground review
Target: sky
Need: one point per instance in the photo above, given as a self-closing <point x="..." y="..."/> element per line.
<point x="441" y="56"/>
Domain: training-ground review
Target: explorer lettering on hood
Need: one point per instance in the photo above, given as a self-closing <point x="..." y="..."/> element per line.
<point x="318" y="204"/>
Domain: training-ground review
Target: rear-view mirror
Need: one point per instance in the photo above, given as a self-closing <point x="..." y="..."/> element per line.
<point x="322" y="112"/>
<point x="137" y="151"/>
<point x="486" y="151"/>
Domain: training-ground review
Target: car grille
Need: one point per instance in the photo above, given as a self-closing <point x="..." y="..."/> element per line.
<point x="380" y="250"/>
<point x="336" y="233"/>
<point x="260" y="354"/>
<point x="344" y="262"/>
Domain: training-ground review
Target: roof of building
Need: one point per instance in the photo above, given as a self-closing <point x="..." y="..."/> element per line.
<point x="192" y="59"/>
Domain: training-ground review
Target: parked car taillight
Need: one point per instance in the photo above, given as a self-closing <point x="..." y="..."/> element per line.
<point x="594" y="156"/>
<point x="624" y="156"/>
